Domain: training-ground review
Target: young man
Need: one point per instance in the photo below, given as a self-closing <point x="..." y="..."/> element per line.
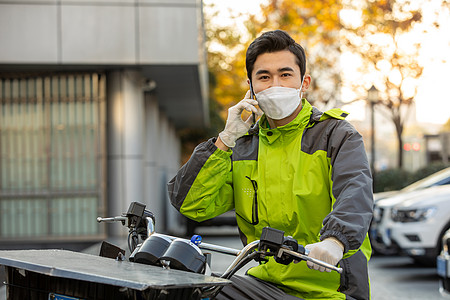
<point x="298" y="170"/>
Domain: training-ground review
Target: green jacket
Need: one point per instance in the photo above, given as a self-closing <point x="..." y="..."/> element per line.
<point x="309" y="178"/>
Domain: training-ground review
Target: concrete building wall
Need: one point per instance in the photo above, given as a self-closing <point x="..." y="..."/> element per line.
<point x="161" y="162"/>
<point x="125" y="115"/>
<point x="153" y="55"/>
<point x="143" y="150"/>
<point x="98" y="32"/>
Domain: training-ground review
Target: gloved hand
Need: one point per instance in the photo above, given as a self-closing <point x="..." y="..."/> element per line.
<point x="235" y="126"/>
<point x="330" y="250"/>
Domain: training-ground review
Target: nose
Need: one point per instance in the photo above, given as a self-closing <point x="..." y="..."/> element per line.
<point x="276" y="81"/>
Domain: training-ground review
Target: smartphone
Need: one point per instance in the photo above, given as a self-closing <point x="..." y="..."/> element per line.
<point x="253" y="96"/>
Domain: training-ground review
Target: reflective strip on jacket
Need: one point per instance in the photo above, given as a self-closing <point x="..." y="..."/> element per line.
<point x="309" y="178"/>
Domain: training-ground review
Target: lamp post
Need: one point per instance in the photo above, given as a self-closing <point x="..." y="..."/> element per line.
<point x="372" y="97"/>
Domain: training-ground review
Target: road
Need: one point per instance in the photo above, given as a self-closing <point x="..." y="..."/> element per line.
<point x="400" y="278"/>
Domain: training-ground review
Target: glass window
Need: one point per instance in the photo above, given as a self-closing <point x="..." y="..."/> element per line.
<point x="52" y="155"/>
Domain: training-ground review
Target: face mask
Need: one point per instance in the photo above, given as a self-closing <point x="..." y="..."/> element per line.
<point x="279" y="102"/>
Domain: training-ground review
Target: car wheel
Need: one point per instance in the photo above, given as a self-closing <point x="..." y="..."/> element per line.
<point x="429" y="259"/>
<point x="378" y="247"/>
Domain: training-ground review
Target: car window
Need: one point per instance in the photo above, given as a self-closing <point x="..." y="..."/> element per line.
<point x="443" y="182"/>
<point x="439" y="178"/>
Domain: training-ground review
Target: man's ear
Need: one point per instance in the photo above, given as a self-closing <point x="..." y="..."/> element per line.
<point x="306" y="83"/>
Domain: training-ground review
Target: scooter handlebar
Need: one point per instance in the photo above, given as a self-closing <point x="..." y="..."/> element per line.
<point x="306" y="257"/>
<point x="112" y="219"/>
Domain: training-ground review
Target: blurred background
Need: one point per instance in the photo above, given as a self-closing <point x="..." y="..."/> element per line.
<point x="102" y="101"/>
<point x="93" y="96"/>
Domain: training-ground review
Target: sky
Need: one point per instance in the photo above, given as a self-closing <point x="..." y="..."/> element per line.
<point x="433" y="98"/>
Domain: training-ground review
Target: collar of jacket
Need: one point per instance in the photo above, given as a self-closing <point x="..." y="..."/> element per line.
<point x="300" y="122"/>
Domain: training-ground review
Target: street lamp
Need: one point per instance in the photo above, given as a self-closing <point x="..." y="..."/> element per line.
<point x="372" y="97"/>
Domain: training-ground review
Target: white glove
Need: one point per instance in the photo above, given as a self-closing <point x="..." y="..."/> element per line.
<point x="235" y="126"/>
<point x="330" y="250"/>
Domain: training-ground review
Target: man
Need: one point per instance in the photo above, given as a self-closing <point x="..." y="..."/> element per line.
<point x="298" y="170"/>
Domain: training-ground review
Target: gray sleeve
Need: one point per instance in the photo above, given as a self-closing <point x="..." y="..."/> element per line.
<point x="179" y="186"/>
<point x="351" y="186"/>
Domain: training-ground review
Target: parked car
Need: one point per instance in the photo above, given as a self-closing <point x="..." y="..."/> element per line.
<point x="380" y="229"/>
<point x="441" y="177"/>
<point x="419" y="223"/>
<point x="443" y="266"/>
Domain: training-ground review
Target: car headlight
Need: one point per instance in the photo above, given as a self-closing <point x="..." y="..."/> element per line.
<point x="412" y="215"/>
<point x="377" y="214"/>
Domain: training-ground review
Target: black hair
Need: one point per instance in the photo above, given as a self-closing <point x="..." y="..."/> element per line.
<point x="273" y="41"/>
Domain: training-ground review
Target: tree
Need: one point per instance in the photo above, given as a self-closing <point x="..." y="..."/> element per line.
<point x="385" y="44"/>
<point x="316" y="26"/>
<point x="226" y="61"/>
<point x="219" y="41"/>
<point x="381" y="38"/>
<point x="446" y="126"/>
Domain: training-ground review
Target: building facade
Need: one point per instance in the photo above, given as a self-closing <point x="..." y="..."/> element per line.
<point x="92" y="94"/>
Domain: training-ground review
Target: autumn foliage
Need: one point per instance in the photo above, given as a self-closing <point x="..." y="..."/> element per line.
<point x="375" y="37"/>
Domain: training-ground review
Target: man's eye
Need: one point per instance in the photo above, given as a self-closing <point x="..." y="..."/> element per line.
<point x="286" y="74"/>
<point x="263" y="77"/>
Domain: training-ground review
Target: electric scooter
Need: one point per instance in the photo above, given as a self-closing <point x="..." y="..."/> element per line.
<point x="160" y="266"/>
<point x="169" y="252"/>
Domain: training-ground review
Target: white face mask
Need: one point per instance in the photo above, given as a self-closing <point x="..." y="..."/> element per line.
<point x="278" y="102"/>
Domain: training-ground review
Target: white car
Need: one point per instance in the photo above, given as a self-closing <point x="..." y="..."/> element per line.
<point x="419" y="223"/>
<point x="441" y="177"/>
<point x="380" y="228"/>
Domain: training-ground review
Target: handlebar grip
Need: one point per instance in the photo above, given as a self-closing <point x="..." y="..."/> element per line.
<point x="306" y="257"/>
<point x="326" y="265"/>
<point x="112" y="219"/>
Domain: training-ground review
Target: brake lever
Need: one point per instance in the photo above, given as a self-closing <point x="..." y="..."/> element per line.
<point x="306" y="257"/>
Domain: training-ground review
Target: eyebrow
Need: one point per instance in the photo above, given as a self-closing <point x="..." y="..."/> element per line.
<point x="280" y="70"/>
<point x="285" y="69"/>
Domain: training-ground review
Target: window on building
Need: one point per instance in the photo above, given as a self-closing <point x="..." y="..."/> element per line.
<point x="52" y="155"/>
